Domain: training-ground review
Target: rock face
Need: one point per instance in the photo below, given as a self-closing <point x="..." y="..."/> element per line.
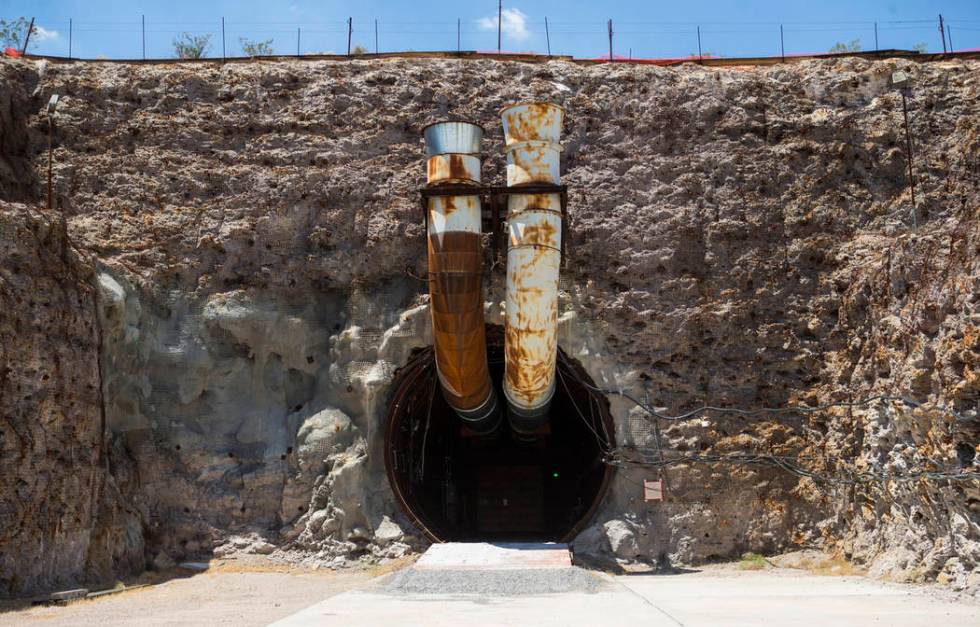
<point x="740" y="237"/>
<point x="66" y="499"/>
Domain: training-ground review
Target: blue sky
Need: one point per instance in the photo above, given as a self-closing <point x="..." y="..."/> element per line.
<point x="111" y="28"/>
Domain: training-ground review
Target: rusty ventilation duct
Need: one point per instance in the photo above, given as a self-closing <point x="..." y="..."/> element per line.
<point x="456" y="275"/>
<point x="531" y="133"/>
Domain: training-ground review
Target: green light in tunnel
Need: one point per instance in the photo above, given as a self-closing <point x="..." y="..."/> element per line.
<point x="555" y="475"/>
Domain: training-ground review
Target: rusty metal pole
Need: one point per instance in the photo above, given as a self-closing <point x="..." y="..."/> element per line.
<point x="30" y="29"/>
<point x="350" y="31"/>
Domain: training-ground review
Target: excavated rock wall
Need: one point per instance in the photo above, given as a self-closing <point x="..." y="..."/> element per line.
<point x="68" y="503"/>
<point x="740" y="237"/>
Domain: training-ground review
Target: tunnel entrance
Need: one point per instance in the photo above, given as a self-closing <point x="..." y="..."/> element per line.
<point x="459" y="487"/>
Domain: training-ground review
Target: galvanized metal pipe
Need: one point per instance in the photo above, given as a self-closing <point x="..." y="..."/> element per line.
<point x="531" y="132"/>
<point x="456" y="277"/>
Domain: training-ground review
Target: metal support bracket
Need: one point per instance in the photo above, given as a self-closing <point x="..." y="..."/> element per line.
<point x="493" y="198"/>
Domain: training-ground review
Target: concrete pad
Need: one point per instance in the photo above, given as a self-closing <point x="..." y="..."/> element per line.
<point x="489" y="556"/>
<point x="363" y="609"/>
<point x="708" y="598"/>
<point x="789" y="597"/>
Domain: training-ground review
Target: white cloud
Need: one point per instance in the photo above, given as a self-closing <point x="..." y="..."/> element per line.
<point x="43" y="34"/>
<point x="514" y="24"/>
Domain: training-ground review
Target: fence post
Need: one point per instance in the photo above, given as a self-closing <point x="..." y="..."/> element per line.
<point x="27" y="39"/>
<point x="350" y="31"/>
<point x="610" y="41"/>
<point x="547" y="34"/>
<point x="375" y="35"/>
<point x="297" y="41"/>
<point x="143" y="30"/>
<point x="500" y="17"/>
<point x="942" y="32"/>
<point x="700" y="56"/>
<point x="222" y="39"/>
<point x="69" y="39"/>
<point x="876" y="36"/>
<point x="949" y="37"/>
<point x="458" y="39"/>
<point x="782" y="45"/>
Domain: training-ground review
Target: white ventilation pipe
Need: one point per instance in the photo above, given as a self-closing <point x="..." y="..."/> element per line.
<point x="531" y="133"/>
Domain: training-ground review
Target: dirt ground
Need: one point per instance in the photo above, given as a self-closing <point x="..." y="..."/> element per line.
<point x="252" y="591"/>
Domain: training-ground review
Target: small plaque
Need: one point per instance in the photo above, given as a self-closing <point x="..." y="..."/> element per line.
<point x="653" y="490"/>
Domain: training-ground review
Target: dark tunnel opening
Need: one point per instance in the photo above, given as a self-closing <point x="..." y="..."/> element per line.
<point x="459" y="487"/>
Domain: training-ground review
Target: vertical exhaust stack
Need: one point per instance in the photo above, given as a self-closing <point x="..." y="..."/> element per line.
<point x="531" y="132"/>
<point x="456" y="275"/>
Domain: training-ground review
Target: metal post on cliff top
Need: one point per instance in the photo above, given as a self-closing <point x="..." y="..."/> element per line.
<point x="30" y="29"/>
<point x="610" y="41"/>
<point x="782" y="45"/>
<point x="547" y="35"/>
<point x="500" y="17"/>
<point x="942" y="32"/>
<point x="700" y="56"/>
<point x="222" y="40"/>
<point x="350" y="31"/>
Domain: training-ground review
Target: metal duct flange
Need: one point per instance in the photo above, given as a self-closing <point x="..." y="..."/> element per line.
<point x="453" y="168"/>
<point x="532" y="121"/>
<point x="533" y="162"/>
<point x="453" y="137"/>
<point x="517" y="203"/>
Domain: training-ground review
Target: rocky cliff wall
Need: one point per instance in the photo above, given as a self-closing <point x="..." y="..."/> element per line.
<point x="67" y="497"/>
<point x="740" y="237"/>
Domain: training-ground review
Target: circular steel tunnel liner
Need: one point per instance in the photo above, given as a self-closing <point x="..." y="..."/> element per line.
<point x="421" y="368"/>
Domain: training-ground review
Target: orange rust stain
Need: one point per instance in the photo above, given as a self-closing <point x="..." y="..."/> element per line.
<point x="457" y="168"/>
<point x="542" y="234"/>
<point x="526" y="124"/>
<point x="456" y="303"/>
<point x="449" y="168"/>
<point x="433" y="169"/>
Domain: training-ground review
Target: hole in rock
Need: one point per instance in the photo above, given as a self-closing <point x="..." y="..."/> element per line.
<point x="459" y="487"/>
